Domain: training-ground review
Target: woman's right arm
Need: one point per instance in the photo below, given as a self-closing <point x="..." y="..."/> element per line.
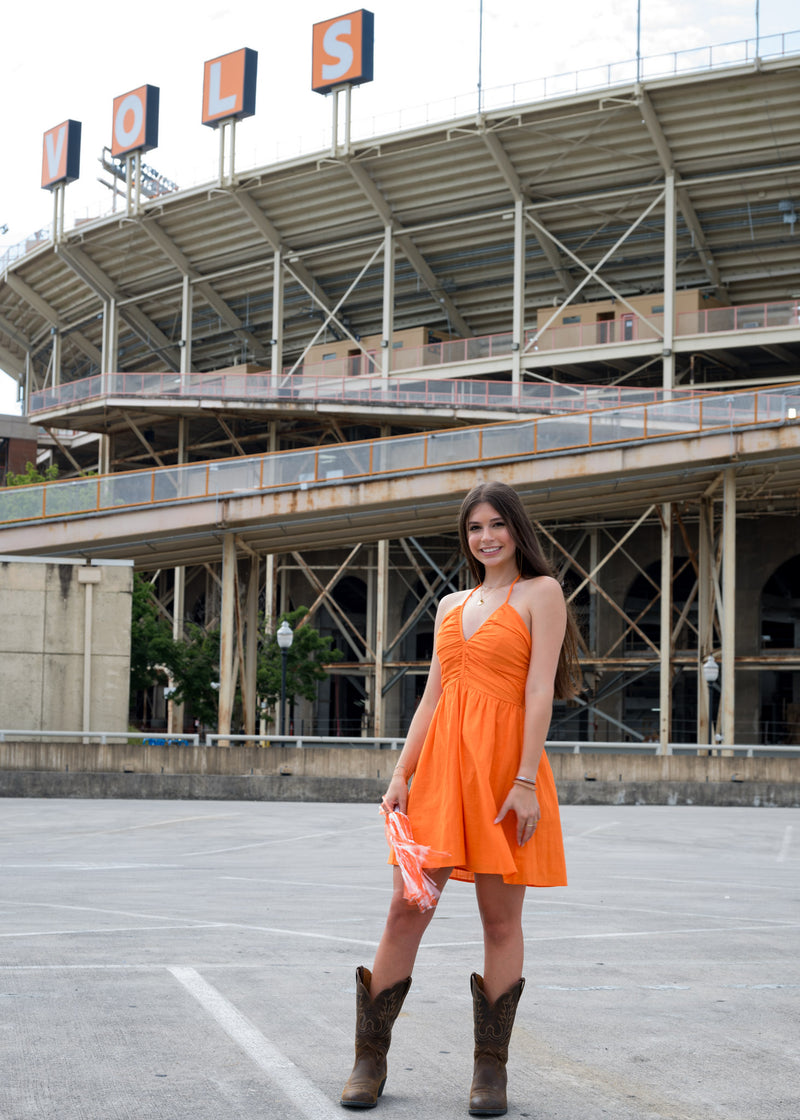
<point x="396" y="796"/>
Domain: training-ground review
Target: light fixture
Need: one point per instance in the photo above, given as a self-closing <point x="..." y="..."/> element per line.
<point x="284" y="637"/>
<point x="710" y="670"/>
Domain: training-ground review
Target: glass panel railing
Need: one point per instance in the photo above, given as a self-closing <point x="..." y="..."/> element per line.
<point x="79" y="495"/>
<point x="612" y="427"/>
<point x="508" y="440"/>
<point x="125" y="489"/>
<point x="345" y="461"/>
<point x="288" y="468"/>
<point x="562" y="432"/>
<point x="21" y="503"/>
<point x="460" y="446"/>
<point x="671" y="417"/>
<point x="231" y="475"/>
<point x="782" y="315"/>
<point x="399" y="455"/>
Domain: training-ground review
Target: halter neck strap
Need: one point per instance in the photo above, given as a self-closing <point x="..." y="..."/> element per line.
<point x="508" y="596"/>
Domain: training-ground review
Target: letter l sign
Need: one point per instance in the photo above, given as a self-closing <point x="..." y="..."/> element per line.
<point x="216" y="103"/>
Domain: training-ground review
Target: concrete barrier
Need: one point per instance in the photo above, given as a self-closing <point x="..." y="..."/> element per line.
<point x="118" y="770"/>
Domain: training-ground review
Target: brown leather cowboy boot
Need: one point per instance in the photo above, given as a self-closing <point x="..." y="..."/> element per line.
<point x="374" y="1021"/>
<point x="493" y="1025"/>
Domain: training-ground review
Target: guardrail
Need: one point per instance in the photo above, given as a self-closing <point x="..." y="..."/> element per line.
<point x="148" y="738"/>
<point x="395" y="743"/>
<point x="355" y="379"/>
<point x="312" y="389"/>
<point x="398" y="455"/>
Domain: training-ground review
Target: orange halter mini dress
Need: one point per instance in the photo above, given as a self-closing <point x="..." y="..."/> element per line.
<point x="471" y="756"/>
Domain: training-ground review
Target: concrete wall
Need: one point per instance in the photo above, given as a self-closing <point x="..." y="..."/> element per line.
<point x="45" y="607"/>
<point x="41" y="769"/>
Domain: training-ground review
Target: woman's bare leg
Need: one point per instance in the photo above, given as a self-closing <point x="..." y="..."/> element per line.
<point x="500" y="906"/>
<point x="405" y="925"/>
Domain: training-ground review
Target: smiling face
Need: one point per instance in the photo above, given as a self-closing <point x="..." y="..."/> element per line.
<point x="489" y="538"/>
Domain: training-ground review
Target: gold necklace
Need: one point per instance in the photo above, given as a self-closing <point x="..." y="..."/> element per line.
<point x="499" y="587"/>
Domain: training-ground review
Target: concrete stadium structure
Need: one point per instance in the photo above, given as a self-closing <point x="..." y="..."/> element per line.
<point x="300" y="369"/>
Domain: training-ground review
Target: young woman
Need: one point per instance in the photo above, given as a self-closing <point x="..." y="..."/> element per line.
<point x="482" y="787"/>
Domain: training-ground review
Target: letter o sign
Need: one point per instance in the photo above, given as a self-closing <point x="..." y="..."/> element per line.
<point x="135" y="122"/>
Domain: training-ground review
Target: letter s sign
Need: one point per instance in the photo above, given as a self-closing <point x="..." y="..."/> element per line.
<point x="342" y="51"/>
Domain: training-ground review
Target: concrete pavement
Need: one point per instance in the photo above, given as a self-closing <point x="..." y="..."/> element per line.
<point x="195" y="960"/>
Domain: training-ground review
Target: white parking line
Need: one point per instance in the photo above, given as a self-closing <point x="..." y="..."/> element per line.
<point x="786" y="844"/>
<point x="303" y="1094"/>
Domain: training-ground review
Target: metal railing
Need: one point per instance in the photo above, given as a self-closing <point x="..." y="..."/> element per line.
<point x="399" y="455"/>
<point x="308" y="389"/>
<point x="571" y="82"/>
<point x="148" y="738"/>
<point x="394" y="743"/>
<point x="354" y="379"/>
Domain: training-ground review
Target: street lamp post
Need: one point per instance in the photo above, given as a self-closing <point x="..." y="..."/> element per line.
<point x="285" y="638"/>
<point x="710" y="676"/>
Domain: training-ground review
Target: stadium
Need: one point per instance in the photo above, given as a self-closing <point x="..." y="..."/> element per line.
<point x="285" y="380"/>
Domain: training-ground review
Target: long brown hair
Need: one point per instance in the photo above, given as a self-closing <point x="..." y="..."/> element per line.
<point x="531" y="562"/>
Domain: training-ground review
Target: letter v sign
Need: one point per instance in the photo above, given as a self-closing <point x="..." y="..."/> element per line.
<point x="54" y="149"/>
<point x="61" y="154"/>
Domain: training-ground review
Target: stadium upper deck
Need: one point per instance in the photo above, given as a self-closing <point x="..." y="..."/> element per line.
<point x="469" y="228"/>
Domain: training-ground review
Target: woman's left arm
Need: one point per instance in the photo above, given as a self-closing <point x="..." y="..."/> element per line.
<point x="548" y="615"/>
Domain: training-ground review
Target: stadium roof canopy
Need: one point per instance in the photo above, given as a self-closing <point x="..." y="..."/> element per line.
<point x="589" y="170"/>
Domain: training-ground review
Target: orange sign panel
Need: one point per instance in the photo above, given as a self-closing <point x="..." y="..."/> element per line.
<point x="135" y="124"/>
<point x="342" y="51"/>
<point x="61" y="154"/>
<point x="229" y="87"/>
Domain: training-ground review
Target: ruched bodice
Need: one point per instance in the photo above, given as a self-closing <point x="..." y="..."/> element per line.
<point x="471" y="756"/>
<point x="493" y="660"/>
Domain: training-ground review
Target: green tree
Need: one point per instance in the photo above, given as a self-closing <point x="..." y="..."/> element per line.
<point x="195" y="670"/>
<point x="152" y="644"/>
<point x="31" y="475"/>
<point x="190" y="665"/>
<point x="304" y="664"/>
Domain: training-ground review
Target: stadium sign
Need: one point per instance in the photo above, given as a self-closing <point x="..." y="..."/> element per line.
<point x="342" y="51"/>
<point x="61" y="154"/>
<point x="135" y="121"/>
<point x="229" y="87"/>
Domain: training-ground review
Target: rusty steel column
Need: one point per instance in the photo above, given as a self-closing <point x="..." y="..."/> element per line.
<point x="727" y="678"/>
<point x="388" y="302"/>
<point x="665" y="642"/>
<point x="175" y="712"/>
<point x="186" y="328"/>
<point x="518" y="309"/>
<point x="276" y="358"/>
<point x="670" y="228"/>
<point x="227" y="639"/>
<point x="251" y="648"/>
<point x="381" y="623"/>
<point x="705" y="614"/>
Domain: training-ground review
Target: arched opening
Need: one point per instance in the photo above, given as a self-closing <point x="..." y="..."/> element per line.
<point x="347" y="691"/>
<point x="780" y="637"/>
<point x="640" y="704"/>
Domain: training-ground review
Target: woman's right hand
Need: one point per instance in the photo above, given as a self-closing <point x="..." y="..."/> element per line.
<point x="396" y="796"/>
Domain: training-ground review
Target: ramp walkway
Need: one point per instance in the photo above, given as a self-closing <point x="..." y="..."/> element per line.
<point x="610" y="461"/>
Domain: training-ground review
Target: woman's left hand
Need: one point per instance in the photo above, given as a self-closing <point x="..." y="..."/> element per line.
<point x="522" y="801"/>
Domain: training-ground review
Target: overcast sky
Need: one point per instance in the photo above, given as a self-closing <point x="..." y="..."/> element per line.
<point x="70" y="61"/>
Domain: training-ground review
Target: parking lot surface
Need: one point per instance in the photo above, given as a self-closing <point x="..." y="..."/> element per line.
<point x="196" y="960"/>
